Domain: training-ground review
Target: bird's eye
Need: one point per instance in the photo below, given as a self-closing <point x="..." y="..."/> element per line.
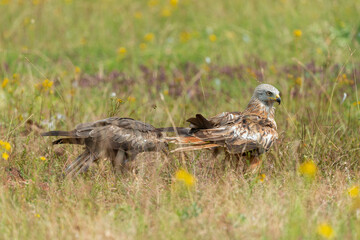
<point x="268" y="93"/>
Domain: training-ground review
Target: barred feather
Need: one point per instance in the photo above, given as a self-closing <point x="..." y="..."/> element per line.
<point x="254" y="130"/>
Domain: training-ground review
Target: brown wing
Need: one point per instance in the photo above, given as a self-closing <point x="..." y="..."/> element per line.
<point x="225" y="118"/>
<point x="112" y="133"/>
<point x="127" y="123"/>
<point x="83" y="130"/>
<point x="114" y="137"/>
<point x="118" y="139"/>
<point x="200" y="122"/>
<point x="247" y="133"/>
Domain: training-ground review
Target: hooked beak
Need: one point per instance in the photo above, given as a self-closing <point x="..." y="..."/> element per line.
<point x="278" y="99"/>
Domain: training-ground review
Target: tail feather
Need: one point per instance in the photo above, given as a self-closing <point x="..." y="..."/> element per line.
<point x="79" y="141"/>
<point x="185" y="140"/>
<point x="60" y="133"/>
<point x="196" y="147"/>
<point x="199" y="121"/>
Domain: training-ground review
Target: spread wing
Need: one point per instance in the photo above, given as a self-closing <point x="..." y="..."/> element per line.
<point x="239" y="135"/>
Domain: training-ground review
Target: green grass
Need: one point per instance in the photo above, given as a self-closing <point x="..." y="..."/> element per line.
<point x="75" y="45"/>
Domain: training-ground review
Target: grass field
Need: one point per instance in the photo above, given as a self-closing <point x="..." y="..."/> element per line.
<point x="65" y="62"/>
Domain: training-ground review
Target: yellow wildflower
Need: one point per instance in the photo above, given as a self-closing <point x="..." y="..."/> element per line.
<point x="37" y="215"/>
<point x="179" y="79"/>
<point x="16" y="77"/>
<point x="262" y="177"/>
<point x="308" y="168"/>
<point x="184" y="176"/>
<point x="343" y="79"/>
<point x="297" y="33"/>
<point x="166" y="92"/>
<point x="119" y="100"/>
<point x="5" y="155"/>
<point x="26" y="21"/>
<point x="72" y="92"/>
<point x="36" y="2"/>
<point x="47" y="84"/>
<point x="205" y="67"/>
<point x="4" y="82"/>
<point x="153" y="3"/>
<point x="298" y="81"/>
<point x="83" y="41"/>
<point x="121" y="51"/>
<point x="131" y="99"/>
<point x="42" y="158"/>
<point x="143" y="46"/>
<point x="4" y="2"/>
<point x="138" y="15"/>
<point x="77" y="70"/>
<point x="356" y="103"/>
<point x="212" y="37"/>
<point x="174" y="3"/>
<point x="149" y="37"/>
<point x="166" y="12"/>
<point x="185" y="36"/>
<point x="5" y="145"/>
<point x="325" y="230"/>
<point x="353" y="191"/>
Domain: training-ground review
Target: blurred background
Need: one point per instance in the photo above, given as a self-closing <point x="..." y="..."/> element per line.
<point x="63" y="62"/>
<point x="135" y="50"/>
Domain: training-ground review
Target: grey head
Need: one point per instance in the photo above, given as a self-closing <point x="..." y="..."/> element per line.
<point x="267" y="94"/>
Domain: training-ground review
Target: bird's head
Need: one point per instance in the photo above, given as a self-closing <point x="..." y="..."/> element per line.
<point x="267" y="94"/>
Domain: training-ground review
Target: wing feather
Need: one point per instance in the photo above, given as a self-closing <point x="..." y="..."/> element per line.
<point x="127" y="123"/>
<point x="224" y="118"/>
<point x="240" y="134"/>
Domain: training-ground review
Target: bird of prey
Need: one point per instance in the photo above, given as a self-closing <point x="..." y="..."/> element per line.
<point x="248" y="133"/>
<point x="118" y="139"/>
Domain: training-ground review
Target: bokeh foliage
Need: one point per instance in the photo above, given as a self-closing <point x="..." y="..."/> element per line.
<point x="67" y="61"/>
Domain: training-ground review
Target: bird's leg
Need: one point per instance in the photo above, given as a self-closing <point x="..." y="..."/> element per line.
<point x="214" y="153"/>
<point x="118" y="161"/>
<point x="226" y="161"/>
<point x="254" y="164"/>
<point x="239" y="162"/>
